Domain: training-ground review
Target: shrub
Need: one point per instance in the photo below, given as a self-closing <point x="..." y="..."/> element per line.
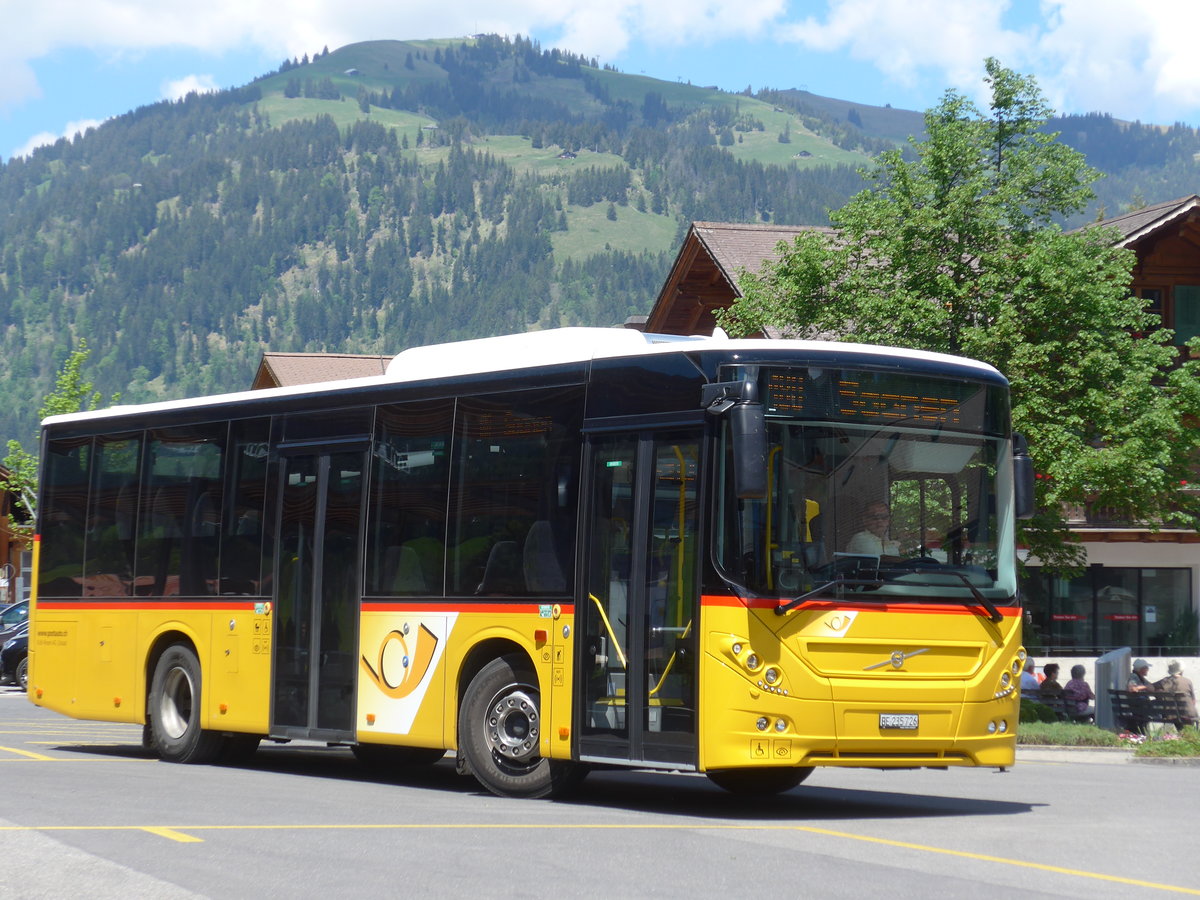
<point x="1066" y="734"/>
<point x="1171" y="743"/>
<point x="1032" y="711"/>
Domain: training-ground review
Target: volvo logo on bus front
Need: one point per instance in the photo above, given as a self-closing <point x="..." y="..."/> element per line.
<point x="897" y="659"/>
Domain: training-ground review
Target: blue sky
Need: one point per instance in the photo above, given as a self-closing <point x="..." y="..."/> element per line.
<point x="69" y="64"/>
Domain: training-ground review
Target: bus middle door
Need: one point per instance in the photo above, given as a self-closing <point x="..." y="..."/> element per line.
<point x="637" y="682"/>
<point x="317" y="566"/>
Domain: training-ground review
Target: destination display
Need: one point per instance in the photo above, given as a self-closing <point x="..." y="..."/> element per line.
<point x="877" y="397"/>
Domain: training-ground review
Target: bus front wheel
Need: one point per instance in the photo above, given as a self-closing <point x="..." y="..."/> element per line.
<point x="174" y="710"/>
<point x="758" y="781"/>
<point x="500" y="730"/>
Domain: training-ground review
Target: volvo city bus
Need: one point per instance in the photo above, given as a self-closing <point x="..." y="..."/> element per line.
<point x="549" y="552"/>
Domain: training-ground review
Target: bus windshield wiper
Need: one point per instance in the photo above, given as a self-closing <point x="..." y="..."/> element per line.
<point x="993" y="614"/>
<point x="837" y="582"/>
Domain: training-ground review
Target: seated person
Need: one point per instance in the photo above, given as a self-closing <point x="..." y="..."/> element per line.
<point x="1030" y="686"/>
<point x="873" y="539"/>
<point x="1050" y="689"/>
<point x="1176" y="683"/>
<point x="1077" y="695"/>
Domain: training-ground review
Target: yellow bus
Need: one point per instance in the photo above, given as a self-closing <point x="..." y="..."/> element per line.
<point x="550" y="552"/>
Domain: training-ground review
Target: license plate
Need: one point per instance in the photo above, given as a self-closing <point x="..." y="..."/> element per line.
<point x="898" y="721"/>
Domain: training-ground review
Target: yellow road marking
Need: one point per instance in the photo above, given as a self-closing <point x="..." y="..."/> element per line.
<point x="178" y="833"/>
<point x="172" y="834"/>
<point x="28" y="753"/>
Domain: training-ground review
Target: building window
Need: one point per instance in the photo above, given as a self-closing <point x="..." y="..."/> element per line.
<point x="1154" y="300"/>
<point x="1148" y="610"/>
<point x="1186" y="299"/>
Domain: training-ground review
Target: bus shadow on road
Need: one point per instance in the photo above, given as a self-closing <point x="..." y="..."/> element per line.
<point x="693" y="795"/>
<point x="684" y="794"/>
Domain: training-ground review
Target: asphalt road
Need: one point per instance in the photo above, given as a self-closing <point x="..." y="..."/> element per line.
<point x="83" y="812"/>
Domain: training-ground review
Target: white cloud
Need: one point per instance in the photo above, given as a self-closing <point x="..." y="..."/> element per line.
<point x="1120" y="56"/>
<point x="290" y="28"/>
<point x="181" y="87"/>
<point x="920" y="38"/>
<point x="1088" y="55"/>
<point x="43" y="138"/>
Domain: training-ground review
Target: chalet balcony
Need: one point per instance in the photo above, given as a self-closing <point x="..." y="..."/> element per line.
<point x="1096" y="515"/>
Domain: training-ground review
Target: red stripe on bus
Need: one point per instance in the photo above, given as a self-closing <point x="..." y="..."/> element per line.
<point x="719" y="601"/>
<point x="148" y="604"/>
<point x="457" y="606"/>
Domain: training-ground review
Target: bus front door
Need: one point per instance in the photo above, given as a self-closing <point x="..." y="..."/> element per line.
<point x="638" y="618"/>
<point x="316" y="594"/>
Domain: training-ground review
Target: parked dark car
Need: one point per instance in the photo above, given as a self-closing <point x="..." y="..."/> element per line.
<point x="14" y="659"/>
<point x="12" y="618"/>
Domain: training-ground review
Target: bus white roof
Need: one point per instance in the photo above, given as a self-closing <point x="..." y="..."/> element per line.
<point x="535" y="349"/>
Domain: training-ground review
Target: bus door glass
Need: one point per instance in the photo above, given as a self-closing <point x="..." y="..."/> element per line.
<point x="317" y="570"/>
<point x="639" y="623"/>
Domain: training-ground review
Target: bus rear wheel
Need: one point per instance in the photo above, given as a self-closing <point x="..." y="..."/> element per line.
<point x="758" y="782"/>
<point x="499" y="734"/>
<point x="174" y="710"/>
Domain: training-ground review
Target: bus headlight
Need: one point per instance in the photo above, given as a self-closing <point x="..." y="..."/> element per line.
<point x="762" y="723"/>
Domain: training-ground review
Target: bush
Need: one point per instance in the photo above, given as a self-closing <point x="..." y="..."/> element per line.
<point x="1066" y="734"/>
<point x="1171" y="743"/>
<point x="1032" y="711"/>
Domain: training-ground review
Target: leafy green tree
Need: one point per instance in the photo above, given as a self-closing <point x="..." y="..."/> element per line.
<point x="72" y="393"/>
<point x="955" y="247"/>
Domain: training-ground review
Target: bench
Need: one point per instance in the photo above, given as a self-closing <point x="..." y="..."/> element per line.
<point x="1059" y="706"/>
<point x="1133" y="710"/>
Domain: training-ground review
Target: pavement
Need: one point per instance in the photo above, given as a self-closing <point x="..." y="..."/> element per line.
<point x="1111" y="756"/>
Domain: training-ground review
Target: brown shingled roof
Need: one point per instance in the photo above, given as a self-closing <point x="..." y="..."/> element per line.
<point x="286" y="369"/>
<point x="1136" y="224"/>
<point x="706" y="272"/>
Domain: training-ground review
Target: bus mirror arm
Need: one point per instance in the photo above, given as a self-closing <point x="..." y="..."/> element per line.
<point x="748" y="427"/>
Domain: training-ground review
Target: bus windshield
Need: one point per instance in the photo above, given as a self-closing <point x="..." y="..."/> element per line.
<point x="878" y="486"/>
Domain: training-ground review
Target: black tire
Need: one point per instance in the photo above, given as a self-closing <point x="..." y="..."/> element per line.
<point x="174" y="710"/>
<point x="22" y="677"/>
<point x="384" y="757"/>
<point x="499" y="734"/>
<point x="758" y="782"/>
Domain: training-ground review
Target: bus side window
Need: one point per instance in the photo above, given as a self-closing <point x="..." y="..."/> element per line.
<point x="406" y="550"/>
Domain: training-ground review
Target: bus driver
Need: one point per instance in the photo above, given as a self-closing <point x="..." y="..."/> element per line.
<point x="873" y="539"/>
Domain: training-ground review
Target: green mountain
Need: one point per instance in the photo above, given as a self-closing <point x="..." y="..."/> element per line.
<point x="394" y="193"/>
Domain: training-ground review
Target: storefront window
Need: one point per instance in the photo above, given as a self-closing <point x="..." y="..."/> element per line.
<point x="1148" y="610"/>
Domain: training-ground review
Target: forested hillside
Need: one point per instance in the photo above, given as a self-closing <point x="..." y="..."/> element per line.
<point x="390" y="194"/>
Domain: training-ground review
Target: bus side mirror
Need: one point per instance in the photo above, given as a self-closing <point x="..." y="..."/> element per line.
<point x="1025" y="500"/>
<point x="748" y="427"/>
